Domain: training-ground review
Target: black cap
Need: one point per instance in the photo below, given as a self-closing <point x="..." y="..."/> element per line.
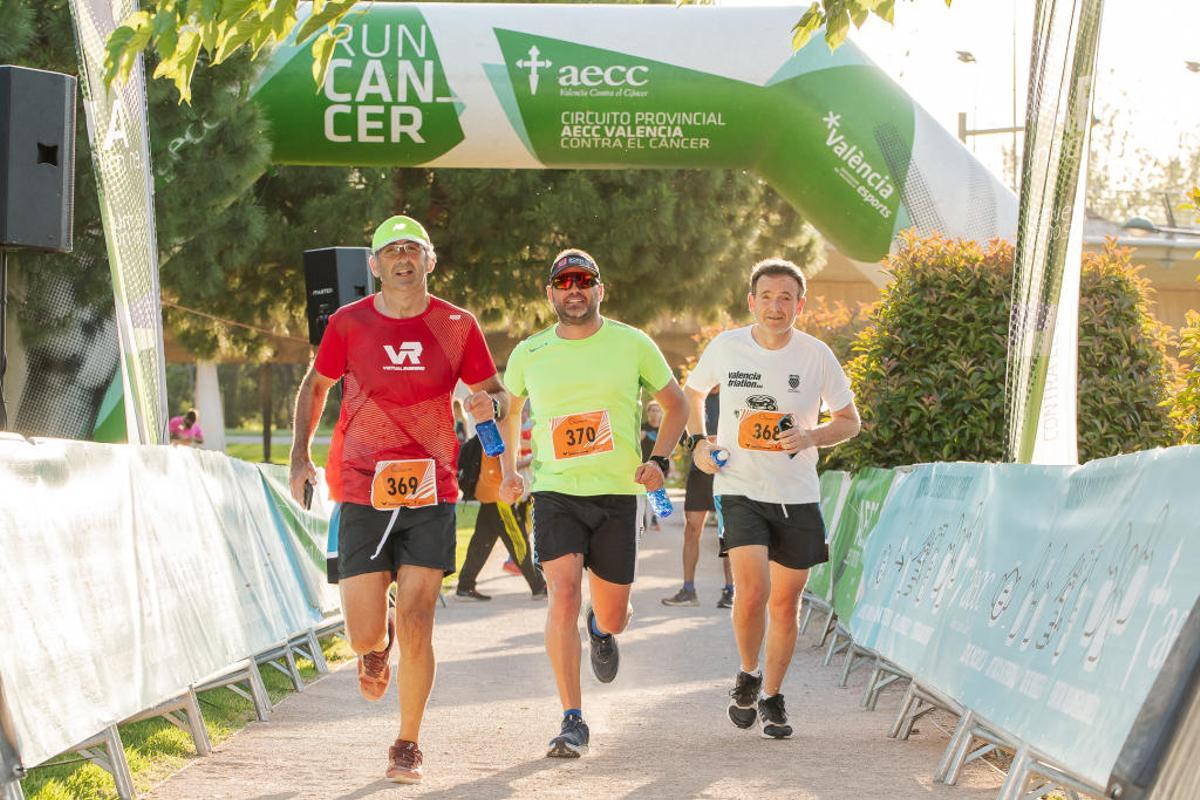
<point x="574" y="261"/>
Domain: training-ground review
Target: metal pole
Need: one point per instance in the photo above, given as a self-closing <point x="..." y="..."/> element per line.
<point x="3" y="348"/>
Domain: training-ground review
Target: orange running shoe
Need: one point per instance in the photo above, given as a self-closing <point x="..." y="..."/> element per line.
<point x="404" y="762"/>
<point x="374" y="671"/>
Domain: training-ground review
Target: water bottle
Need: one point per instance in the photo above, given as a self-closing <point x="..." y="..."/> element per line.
<point x="660" y="502"/>
<point x="489" y="437"/>
<point x="720" y="457"/>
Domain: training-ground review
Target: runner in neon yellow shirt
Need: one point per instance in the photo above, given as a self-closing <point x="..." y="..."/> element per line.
<point x="584" y="378"/>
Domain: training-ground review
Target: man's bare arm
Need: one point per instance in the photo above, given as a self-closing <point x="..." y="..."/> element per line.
<point x="310" y="404"/>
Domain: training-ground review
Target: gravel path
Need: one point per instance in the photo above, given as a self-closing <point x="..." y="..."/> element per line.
<point x="658" y="731"/>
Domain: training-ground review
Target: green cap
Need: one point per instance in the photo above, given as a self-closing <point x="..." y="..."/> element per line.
<point x="399" y="229"/>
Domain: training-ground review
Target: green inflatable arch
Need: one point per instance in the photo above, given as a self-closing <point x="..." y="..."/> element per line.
<point x="609" y="87"/>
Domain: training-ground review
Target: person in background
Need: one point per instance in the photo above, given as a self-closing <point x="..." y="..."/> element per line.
<point x="650" y="422"/>
<point x="697" y="504"/>
<point x="524" y="508"/>
<point x="492" y="524"/>
<point x="185" y="429"/>
<point x="460" y="424"/>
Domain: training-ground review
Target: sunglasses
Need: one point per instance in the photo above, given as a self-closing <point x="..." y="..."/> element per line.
<point x="580" y="279"/>
<point x="401" y="248"/>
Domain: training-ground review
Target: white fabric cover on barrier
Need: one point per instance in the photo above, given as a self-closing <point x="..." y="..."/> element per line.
<point x="130" y="573"/>
<point x="1043" y="598"/>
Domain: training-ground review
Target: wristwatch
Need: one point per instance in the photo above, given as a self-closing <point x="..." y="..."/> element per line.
<point x="695" y="439"/>
<point x="663" y="463"/>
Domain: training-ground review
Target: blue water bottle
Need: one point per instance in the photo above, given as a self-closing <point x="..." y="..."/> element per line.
<point x="660" y="502"/>
<point x="489" y="437"/>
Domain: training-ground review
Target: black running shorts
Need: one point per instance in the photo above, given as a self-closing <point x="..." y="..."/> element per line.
<point x="603" y="528"/>
<point x="794" y="535"/>
<point x="422" y="537"/>
<point x="699" y="495"/>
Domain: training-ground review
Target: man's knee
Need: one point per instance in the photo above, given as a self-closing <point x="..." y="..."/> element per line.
<point x="414" y="625"/>
<point x="367" y="639"/>
<point x="784" y="606"/>
<point x="612" y="620"/>
<point x="566" y="598"/>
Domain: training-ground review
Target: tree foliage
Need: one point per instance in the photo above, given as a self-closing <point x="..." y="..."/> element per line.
<point x="929" y="375"/>
<point x="184" y="34"/>
<point x="1185" y="407"/>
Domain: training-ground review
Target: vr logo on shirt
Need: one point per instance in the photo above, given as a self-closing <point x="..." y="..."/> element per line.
<point x="406" y="359"/>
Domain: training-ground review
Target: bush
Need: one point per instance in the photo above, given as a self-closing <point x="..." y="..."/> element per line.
<point x="1185" y="406"/>
<point x="929" y="374"/>
<point x="1124" y="374"/>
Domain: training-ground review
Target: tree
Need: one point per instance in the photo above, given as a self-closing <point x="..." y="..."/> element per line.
<point x="666" y="241"/>
<point x="929" y="377"/>
<point x="183" y="33"/>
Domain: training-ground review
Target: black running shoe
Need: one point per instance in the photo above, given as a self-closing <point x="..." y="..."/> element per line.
<point x="774" y="718"/>
<point x="606" y="657"/>
<point x="726" y="600"/>
<point x="744" y="699"/>
<point x="572" y="740"/>
<point x="684" y="597"/>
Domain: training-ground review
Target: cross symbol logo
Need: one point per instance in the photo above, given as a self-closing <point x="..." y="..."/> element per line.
<point x="533" y="64"/>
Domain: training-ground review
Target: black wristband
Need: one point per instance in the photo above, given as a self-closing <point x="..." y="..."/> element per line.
<point x="495" y="406"/>
<point x="662" y="462"/>
<point x="694" y="440"/>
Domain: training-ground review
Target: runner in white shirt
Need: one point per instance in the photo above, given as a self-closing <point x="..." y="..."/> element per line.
<point x="773" y="381"/>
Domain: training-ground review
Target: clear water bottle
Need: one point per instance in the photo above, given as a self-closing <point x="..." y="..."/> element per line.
<point x="720" y="457"/>
<point x="489" y="437"/>
<point x="660" y="502"/>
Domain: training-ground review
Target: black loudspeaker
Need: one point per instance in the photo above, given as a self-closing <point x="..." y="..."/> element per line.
<point x="333" y="277"/>
<point x="37" y="158"/>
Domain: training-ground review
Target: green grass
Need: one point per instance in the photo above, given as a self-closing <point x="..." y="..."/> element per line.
<point x="155" y="748"/>
<point x="280" y="452"/>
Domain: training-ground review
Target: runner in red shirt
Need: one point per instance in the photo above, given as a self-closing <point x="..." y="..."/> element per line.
<point x="393" y="460"/>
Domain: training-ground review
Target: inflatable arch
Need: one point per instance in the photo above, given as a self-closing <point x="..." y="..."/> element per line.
<point x="622" y="86"/>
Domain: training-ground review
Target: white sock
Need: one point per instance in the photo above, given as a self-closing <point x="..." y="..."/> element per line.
<point x="755" y="672"/>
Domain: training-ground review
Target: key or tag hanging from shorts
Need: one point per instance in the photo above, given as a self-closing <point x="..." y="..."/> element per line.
<point x="759" y="430"/>
<point x="410" y="483"/>
<point x="583" y="434"/>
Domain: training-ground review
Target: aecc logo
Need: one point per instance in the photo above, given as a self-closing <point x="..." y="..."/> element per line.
<point x="591" y="75"/>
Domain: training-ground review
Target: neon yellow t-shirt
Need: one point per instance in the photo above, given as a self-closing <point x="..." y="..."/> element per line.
<point x="585" y="396"/>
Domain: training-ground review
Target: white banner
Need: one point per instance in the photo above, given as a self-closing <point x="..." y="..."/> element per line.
<point x="120" y="144"/>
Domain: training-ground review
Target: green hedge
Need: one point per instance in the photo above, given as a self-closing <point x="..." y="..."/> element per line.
<point x="1185" y="410"/>
<point x="929" y="370"/>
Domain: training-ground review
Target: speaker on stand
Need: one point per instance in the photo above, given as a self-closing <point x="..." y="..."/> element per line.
<point x="37" y="173"/>
<point x="333" y="277"/>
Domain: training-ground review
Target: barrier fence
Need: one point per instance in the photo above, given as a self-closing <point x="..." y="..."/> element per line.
<point x="1038" y="603"/>
<point x="134" y="576"/>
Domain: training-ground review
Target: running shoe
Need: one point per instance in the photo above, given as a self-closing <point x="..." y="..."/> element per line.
<point x="774" y="718"/>
<point x="726" y="600"/>
<point x="744" y="699"/>
<point x="374" y="671"/>
<point x="572" y="740"/>
<point x="404" y="762"/>
<point x="540" y="594"/>
<point x="606" y="657"/>
<point x="511" y="567"/>
<point x="684" y="597"/>
<point x="471" y="595"/>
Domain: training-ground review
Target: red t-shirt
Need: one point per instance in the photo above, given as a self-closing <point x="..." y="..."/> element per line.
<point x="399" y="377"/>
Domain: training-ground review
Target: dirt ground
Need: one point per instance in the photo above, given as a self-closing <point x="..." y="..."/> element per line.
<point x="658" y="731"/>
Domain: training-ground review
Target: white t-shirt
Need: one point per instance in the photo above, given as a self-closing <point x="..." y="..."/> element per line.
<point x="758" y="386"/>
